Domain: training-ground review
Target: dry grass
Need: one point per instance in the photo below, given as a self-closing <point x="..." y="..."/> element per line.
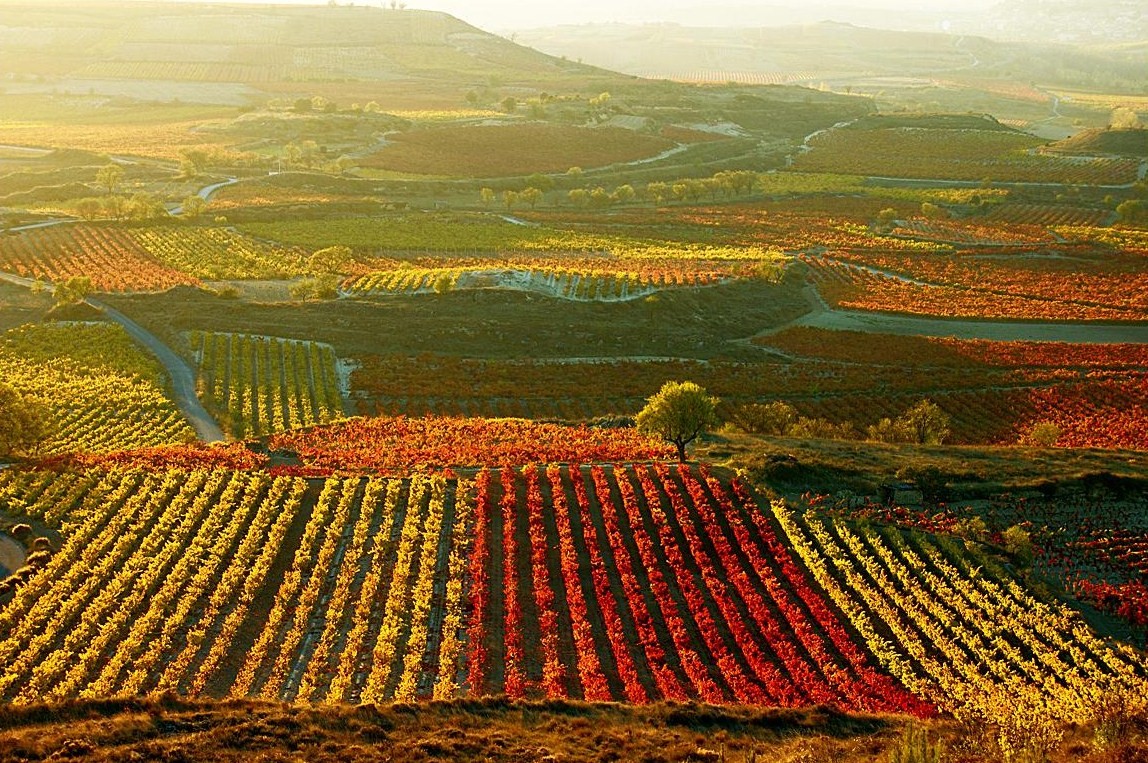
<point x="171" y="729"/>
<point x="826" y="466"/>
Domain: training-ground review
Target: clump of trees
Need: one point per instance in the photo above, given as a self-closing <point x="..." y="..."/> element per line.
<point x="24" y="424"/>
<point x="72" y="291"/>
<point x="1133" y="211"/>
<point x="780" y="419"/>
<point x="924" y="424"/>
<point x="722" y="185"/>
<point x="115" y="205"/>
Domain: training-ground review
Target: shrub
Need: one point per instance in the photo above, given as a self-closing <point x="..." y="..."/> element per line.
<point x="822" y="429"/>
<point x="885" y="431"/>
<point x="1114" y="716"/>
<point x="322" y="287"/>
<point x="1042" y="434"/>
<point x="774" y="418"/>
<point x="973" y="529"/>
<point x="1018" y="543"/>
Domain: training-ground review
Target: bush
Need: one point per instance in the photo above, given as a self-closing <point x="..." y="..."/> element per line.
<point x="1019" y="544"/>
<point x="973" y="529"/>
<point x="775" y="418"/>
<point x="321" y="287"/>
<point x="932" y="482"/>
<point x="886" y="431"/>
<point x="822" y="429"/>
<point x="38" y="559"/>
<point x="443" y="284"/>
<point x="1042" y="434"/>
<point x="1114" y="716"/>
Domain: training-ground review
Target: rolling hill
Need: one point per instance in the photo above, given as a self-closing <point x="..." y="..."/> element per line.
<point x="228" y="53"/>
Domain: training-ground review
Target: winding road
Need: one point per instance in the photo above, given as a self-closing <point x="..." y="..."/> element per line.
<point x="1001" y="331"/>
<point x="823" y="316"/>
<point x="181" y="375"/>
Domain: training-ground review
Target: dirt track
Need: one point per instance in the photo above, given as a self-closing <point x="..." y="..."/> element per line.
<point x="824" y="317"/>
<point x="1004" y="331"/>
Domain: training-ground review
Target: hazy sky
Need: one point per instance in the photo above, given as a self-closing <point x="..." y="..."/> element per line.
<point x="497" y="15"/>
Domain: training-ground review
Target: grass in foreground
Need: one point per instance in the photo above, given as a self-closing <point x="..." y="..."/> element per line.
<point x="793" y="466"/>
<point x="169" y="729"/>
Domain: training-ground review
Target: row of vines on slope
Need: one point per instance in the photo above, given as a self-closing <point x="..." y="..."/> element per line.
<point x="262" y="385"/>
<point x="637" y="582"/>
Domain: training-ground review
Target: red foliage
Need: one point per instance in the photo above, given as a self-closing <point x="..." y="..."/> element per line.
<point x="1128" y="601"/>
<point x="399" y="445"/>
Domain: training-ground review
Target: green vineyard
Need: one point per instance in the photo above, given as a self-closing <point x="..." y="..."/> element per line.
<point x="262" y="385"/>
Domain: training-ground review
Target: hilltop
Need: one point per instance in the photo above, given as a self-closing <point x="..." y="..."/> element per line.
<point x="238" y="53"/>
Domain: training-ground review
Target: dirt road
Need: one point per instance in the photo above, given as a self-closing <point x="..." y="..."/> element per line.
<point x="182" y="377"/>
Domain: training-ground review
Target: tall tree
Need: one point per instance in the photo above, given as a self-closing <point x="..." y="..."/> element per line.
<point x="109" y="177"/>
<point x="678" y="413"/>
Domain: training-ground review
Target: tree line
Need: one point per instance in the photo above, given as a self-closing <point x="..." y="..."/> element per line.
<point x="725" y="185"/>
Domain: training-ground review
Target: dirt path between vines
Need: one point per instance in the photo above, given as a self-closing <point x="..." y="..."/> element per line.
<point x="12" y="555"/>
<point x="822" y="316"/>
<point x="1001" y="331"/>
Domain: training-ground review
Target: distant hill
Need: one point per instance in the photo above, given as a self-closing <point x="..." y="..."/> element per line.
<point x="258" y="47"/>
<point x="825" y="51"/>
<point x="769" y="55"/>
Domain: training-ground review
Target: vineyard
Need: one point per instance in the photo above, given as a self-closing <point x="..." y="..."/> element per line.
<point x="111" y="257"/>
<point x="517" y="149"/>
<point x="994" y="391"/>
<point x="398" y="445"/>
<point x="594" y="284"/>
<point x="218" y="253"/>
<point x="949" y="611"/>
<point x="630" y="583"/>
<point x="954" y="154"/>
<point x="100" y="392"/>
<point x="1046" y="215"/>
<point x="466" y="234"/>
<point x="1022" y="286"/>
<point x="364" y="442"/>
<point x="143" y="259"/>
<point x="972" y="234"/>
<point x="261" y="385"/>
